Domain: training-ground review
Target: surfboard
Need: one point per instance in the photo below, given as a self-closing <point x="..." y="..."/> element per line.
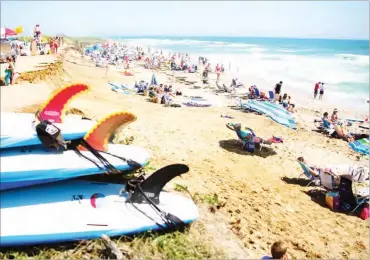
<point x="78" y="210"/>
<point x="25" y="166"/>
<point x="17" y="129"/>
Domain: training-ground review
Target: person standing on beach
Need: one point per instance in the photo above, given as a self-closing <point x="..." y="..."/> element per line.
<point x="316" y="90"/>
<point x="322" y="88"/>
<point x="218" y="71"/>
<point x="278" y="89"/>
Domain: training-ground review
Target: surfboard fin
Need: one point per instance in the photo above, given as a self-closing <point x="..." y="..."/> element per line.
<point x="53" y="108"/>
<point x="153" y="185"/>
<point x="98" y="137"/>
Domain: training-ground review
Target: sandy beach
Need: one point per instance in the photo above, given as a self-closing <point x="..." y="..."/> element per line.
<point x="259" y="199"/>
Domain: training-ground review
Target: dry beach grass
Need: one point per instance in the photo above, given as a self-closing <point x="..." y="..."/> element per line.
<point x="246" y="201"/>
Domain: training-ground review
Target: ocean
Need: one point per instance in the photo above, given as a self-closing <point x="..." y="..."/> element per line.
<point x="342" y="64"/>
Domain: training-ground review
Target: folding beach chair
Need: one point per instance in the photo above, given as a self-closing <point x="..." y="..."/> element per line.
<point x="310" y="174"/>
<point x="361" y="196"/>
<point x="271" y="96"/>
<point x="350" y="201"/>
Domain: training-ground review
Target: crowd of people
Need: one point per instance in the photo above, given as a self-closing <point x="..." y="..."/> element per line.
<point x="35" y="46"/>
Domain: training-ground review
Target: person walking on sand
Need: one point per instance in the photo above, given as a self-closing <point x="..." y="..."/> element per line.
<point x="322" y="88"/>
<point x="316" y="89"/>
<point x="218" y="71"/>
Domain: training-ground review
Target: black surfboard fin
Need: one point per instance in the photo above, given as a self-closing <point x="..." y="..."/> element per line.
<point x="153" y="185"/>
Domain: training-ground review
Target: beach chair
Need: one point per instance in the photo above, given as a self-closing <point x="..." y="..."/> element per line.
<point x="271" y="96"/>
<point x="310" y="174"/>
<point x="220" y="88"/>
<point x="326" y="128"/>
<point x="361" y="196"/>
<point x="351" y="198"/>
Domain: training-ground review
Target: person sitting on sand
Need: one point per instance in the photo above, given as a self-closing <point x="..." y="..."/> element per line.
<point x="334" y="116"/>
<point x="284" y="101"/>
<point x="291" y="105"/>
<point x="279" y="250"/>
<point x="341" y="131"/>
<point x="325" y="119"/>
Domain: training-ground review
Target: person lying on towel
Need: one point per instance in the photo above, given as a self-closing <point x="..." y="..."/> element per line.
<point x="249" y="138"/>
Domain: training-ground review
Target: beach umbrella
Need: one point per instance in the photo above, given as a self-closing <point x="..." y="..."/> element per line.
<point x="154" y="80"/>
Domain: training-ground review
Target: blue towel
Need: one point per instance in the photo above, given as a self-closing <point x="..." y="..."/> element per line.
<point x="274" y="111"/>
<point x="361" y="146"/>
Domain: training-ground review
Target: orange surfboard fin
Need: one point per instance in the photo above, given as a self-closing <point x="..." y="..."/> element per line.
<point x="53" y="109"/>
<point x="98" y="136"/>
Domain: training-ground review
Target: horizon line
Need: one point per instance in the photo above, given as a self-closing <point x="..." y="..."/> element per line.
<point x="220" y="36"/>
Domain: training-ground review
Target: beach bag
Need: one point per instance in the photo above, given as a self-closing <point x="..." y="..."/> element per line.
<point x="332" y="200"/>
<point x="365" y="212"/>
<point x="347" y="198"/>
<point x="249" y="147"/>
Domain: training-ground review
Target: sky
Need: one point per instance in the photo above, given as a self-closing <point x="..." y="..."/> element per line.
<point x="295" y="19"/>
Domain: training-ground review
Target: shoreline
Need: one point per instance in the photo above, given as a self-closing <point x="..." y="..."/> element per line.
<point x="353" y="106"/>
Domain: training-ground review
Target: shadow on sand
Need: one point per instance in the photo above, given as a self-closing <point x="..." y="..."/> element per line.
<point x="295" y="181"/>
<point x="234" y="146"/>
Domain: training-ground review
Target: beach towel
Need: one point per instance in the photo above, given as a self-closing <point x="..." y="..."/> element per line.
<point x="274" y="111"/>
<point x="361" y="146"/>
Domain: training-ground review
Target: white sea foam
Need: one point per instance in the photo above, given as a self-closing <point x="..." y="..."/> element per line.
<point x="300" y="72"/>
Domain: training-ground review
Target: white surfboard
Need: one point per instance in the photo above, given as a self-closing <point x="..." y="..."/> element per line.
<point x="33" y="165"/>
<point x="78" y="210"/>
<point x="18" y="129"/>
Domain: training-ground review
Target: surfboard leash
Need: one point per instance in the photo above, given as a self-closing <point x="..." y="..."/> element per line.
<point x="170" y="220"/>
<point x="108" y="167"/>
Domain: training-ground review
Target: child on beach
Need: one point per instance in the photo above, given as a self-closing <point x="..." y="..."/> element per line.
<point x="279" y="250"/>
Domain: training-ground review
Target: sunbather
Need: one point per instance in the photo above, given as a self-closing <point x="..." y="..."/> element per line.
<point x="250" y="139"/>
<point x="352" y="172"/>
<point x="334" y="116"/>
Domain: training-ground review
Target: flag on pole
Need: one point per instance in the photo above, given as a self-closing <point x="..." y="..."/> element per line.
<point x="18" y="30"/>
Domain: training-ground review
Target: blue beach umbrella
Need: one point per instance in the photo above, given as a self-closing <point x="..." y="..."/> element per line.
<point x="154" y="80"/>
